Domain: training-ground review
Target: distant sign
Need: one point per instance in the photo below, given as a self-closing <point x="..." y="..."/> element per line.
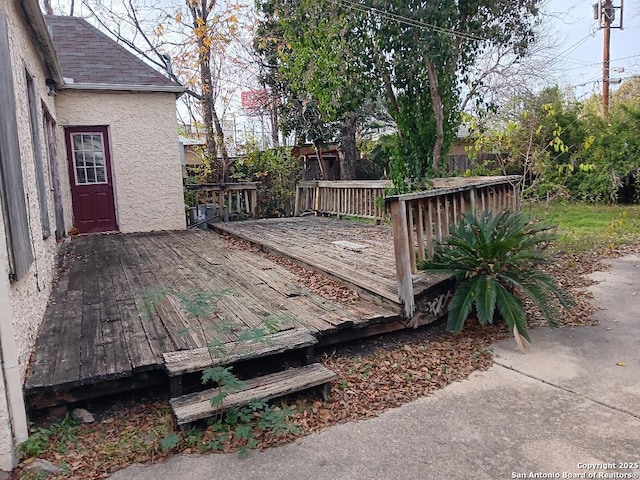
<point x="254" y="99"/>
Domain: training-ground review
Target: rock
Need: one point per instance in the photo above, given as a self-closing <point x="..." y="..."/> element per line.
<point x="58" y="412"/>
<point x="41" y="466"/>
<point x="83" y="415"/>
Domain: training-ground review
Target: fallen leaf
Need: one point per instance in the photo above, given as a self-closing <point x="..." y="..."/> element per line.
<point x="621" y="364"/>
<point x="324" y="414"/>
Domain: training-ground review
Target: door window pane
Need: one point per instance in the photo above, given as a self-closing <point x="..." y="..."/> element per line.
<point x="88" y="157"/>
<point x="77" y="143"/>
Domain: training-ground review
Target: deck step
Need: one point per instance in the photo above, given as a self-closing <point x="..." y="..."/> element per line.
<point x="189" y="361"/>
<point x="197" y="406"/>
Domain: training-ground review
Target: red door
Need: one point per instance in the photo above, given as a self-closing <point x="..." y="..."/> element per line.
<point x="91" y="181"/>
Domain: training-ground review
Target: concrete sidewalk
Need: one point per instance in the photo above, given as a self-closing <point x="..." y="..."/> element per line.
<point x="573" y="401"/>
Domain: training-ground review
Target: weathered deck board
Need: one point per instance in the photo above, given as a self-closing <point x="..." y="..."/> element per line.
<point x="49" y="335"/>
<point x="190" y="278"/>
<point x="92" y="351"/>
<point x="284" y="308"/>
<point x="239" y="308"/>
<point x="136" y="272"/>
<point x="172" y="316"/>
<point x="179" y="363"/>
<point x="136" y="343"/>
<point x="116" y="356"/>
<point x="96" y="329"/>
<point x="196" y="406"/>
<point x="309" y="240"/>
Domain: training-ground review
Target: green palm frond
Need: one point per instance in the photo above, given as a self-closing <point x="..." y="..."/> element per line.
<point x="486" y="298"/>
<point x="510" y="308"/>
<point x="460" y="305"/>
<point x="495" y="259"/>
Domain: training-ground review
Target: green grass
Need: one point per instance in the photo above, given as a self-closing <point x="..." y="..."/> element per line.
<point x="582" y="226"/>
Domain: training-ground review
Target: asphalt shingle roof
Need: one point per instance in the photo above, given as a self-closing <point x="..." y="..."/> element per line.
<point x="88" y="56"/>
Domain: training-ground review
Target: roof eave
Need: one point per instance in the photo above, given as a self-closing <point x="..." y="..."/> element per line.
<point x="176" y="89"/>
<point x="35" y="20"/>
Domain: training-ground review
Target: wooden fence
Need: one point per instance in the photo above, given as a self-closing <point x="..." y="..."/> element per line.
<point x="422" y="219"/>
<point x="221" y="200"/>
<point x="355" y="198"/>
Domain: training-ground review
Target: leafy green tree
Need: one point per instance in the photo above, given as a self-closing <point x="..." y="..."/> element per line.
<point x="544" y="140"/>
<point x="612" y="163"/>
<point x="313" y="64"/>
<point x="427" y="50"/>
<point x="495" y="260"/>
<point x="277" y="173"/>
<point x="416" y="55"/>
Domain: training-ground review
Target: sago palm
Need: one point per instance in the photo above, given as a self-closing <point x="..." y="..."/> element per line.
<point x="495" y="260"/>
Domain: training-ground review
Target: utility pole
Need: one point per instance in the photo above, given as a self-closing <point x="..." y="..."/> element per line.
<point x="605" y="14"/>
<point x="606" y="51"/>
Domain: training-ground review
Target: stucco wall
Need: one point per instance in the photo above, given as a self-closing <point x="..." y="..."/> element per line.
<point x="23" y="302"/>
<point x="29" y="295"/>
<point x="145" y="159"/>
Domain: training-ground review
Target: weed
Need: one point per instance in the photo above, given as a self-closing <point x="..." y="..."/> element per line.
<point x="169" y="442"/>
<point x="58" y="435"/>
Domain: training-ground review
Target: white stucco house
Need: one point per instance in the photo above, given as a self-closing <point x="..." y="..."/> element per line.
<point x="88" y="140"/>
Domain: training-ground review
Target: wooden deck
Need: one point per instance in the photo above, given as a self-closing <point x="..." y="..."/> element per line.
<point x="97" y="328"/>
<point x="358" y="254"/>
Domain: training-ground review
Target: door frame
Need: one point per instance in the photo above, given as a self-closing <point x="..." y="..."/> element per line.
<point x="103" y="130"/>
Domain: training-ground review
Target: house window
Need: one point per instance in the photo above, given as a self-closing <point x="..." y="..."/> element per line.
<point x="37" y="157"/>
<point x="88" y="158"/>
<point x="12" y="195"/>
<point x="49" y="126"/>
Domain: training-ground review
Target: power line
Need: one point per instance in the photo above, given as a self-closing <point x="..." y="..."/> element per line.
<point x="562" y="56"/>
<point x="405" y="20"/>
<point x="576" y="45"/>
<point x="592" y="64"/>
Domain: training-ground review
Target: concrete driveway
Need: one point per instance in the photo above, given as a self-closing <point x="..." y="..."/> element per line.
<point x="568" y="409"/>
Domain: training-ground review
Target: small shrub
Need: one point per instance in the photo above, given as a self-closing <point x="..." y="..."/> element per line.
<point x="495" y="261"/>
<point x="57" y="436"/>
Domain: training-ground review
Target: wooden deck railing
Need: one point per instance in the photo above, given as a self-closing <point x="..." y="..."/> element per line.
<point x="224" y="199"/>
<point x="422" y="219"/>
<point x="355" y="198"/>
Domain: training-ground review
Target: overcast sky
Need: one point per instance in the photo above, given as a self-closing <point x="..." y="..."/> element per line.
<point x="580" y="51"/>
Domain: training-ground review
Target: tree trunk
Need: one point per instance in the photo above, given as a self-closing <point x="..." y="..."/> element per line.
<point x="438" y="112"/>
<point x="392" y="100"/>
<point x="211" y="145"/>
<point x="318" y="150"/>
<point x="224" y="166"/>
<point x="207" y="100"/>
<point x="347" y="149"/>
<point x="273" y="107"/>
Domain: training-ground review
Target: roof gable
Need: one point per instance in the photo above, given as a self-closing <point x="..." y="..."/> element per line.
<point x="89" y="57"/>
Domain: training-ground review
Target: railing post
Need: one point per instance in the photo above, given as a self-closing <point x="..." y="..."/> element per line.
<point x="296" y="211"/>
<point x="254" y="202"/>
<point x="402" y="254"/>
<point x="316" y="206"/>
<point x="472" y="194"/>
